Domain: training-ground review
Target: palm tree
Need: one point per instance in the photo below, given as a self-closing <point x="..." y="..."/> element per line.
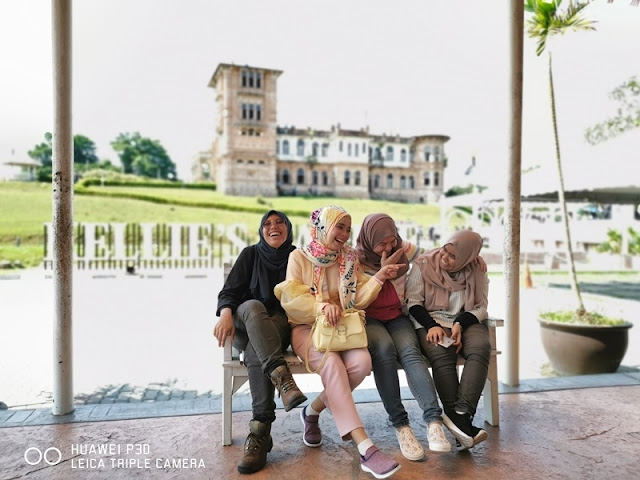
<point x="547" y="20"/>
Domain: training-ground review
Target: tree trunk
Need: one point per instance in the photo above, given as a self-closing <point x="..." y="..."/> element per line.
<point x="563" y="204"/>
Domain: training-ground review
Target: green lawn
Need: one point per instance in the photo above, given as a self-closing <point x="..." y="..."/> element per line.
<point x="26" y="206"/>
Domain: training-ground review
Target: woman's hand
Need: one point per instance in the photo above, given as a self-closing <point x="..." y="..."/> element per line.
<point x="481" y="263"/>
<point x="225" y="327"/>
<point x="389" y="272"/>
<point x="435" y="335"/>
<point x="332" y="313"/>
<point x="384" y="260"/>
<point x="456" y="336"/>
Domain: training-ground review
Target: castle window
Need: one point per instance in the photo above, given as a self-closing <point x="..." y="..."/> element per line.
<point x="412" y="183"/>
<point x="411" y="154"/>
<point x="340" y="146"/>
<point x="364" y="147"/>
<point x="300" y="148"/>
<point x="245" y="113"/>
<point x="355" y="146"/>
<point x="244" y="78"/>
<point x="251" y="76"/>
<point x="403" y="182"/>
<point x="376" y="181"/>
<point x="314" y="149"/>
<point x="325" y="178"/>
<point x="277" y="147"/>
<point x="378" y="155"/>
<point x="261" y="162"/>
<point x="436" y="153"/>
<point x="314" y="177"/>
<point x="300" y="176"/>
<point x="347" y="177"/>
<point x="239" y="161"/>
<point x="389" y="181"/>
<point x="356" y="180"/>
<point x="349" y="149"/>
<point x="258" y="112"/>
<point x="285" y="176"/>
<point x="389" y="154"/>
<point x="285" y="147"/>
<point x="325" y="149"/>
<point x="250" y="162"/>
<point x="258" y="79"/>
<point x="436" y="179"/>
<point x="403" y="155"/>
<point x="427" y="180"/>
<point x="427" y="153"/>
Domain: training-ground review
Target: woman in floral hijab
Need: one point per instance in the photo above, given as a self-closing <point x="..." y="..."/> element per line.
<point x="325" y="277"/>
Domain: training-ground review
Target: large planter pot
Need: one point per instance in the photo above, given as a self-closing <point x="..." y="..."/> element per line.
<point x="575" y="349"/>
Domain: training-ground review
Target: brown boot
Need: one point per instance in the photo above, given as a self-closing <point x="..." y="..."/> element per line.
<point x="289" y="392"/>
<point x="256" y="447"/>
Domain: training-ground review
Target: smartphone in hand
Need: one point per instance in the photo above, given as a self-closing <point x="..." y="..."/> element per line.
<point x="446" y="342"/>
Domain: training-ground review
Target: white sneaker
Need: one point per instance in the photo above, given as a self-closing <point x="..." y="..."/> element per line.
<point x="437" y="439"/>
<point x="409" y="445"/>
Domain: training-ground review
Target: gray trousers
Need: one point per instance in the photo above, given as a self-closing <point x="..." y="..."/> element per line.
<point x="462" y="395"/>
<point x="267" y="335"/>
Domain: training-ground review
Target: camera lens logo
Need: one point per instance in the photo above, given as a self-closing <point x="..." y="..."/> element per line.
<point x="33" y="456"/>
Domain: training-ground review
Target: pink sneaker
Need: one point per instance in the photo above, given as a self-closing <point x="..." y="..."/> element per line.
<point x="378" y="464"/>
<point x="312" y="436"/>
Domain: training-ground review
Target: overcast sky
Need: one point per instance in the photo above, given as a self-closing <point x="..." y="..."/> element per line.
<point x="410" y="67"/>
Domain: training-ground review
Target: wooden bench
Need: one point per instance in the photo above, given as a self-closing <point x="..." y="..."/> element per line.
<point x="235" y="375"/>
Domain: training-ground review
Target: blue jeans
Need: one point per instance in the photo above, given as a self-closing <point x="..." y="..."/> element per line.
<point x="393" y="341"/>
<point x="267" y="336"/>
<point x="462" y="395"/>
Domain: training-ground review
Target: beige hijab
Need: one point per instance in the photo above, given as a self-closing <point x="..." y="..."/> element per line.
<point x="438" y="283"/>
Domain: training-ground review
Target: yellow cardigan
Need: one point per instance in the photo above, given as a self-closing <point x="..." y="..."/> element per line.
<point x="295" y="292"/>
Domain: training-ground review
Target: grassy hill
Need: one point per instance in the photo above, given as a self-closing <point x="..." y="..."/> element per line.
<point x="25" y="207"/>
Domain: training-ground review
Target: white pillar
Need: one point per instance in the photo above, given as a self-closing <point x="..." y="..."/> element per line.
<point x="512" y="203"/>
<point x="62" y="184"/>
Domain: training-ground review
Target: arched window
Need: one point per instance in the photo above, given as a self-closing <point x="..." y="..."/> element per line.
<point x="412" y="183"/>
<point x="347" y="177"/>
<point x="314" y="149"/>
<point x="325" y="178"/>
<point x="376" y="181"/>
<point x="403" y="182"/>
<point x="300" y="176"/>
<point x="356" y="180"/>
<point x="427" y="153"/>
<point x="436" y="179"/>
<point x="427" y="179"/>
<point x="403" y="155"/>
<point x="389" y="154"/>
<point x="285" y="147"/>
<point x="314" y="177"/>
<point x="300" y="148"/>
<point x="389" y="181"/>
<point x="285" y="176"/>
<point x="378" y="154"/>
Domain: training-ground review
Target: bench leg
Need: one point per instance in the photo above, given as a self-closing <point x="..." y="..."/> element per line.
<point x="491" y="405"/>
<point x="227" y="405"/>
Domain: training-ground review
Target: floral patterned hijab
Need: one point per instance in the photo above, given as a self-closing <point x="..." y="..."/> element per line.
<point x="322" y="222"/>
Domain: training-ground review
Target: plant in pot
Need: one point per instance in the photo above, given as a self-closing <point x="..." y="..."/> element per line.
<point x="576" y="342"/>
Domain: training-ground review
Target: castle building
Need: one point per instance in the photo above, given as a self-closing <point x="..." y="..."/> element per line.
<point x="251" y="155"/>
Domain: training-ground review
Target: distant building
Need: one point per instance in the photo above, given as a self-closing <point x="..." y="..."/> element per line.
<point x="251" y="155"/>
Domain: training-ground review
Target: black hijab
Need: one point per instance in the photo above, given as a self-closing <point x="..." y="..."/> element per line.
<point x="270" y="264"/>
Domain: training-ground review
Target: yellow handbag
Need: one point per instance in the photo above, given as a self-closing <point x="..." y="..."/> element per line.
<point x="349" y="333"/>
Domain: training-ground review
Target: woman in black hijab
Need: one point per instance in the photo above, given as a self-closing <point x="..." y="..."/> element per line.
<point x="252" y="317"/>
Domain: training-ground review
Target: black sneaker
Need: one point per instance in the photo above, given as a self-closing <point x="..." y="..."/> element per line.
<point x="461" y="428"/>
<point x="479" y="435"/>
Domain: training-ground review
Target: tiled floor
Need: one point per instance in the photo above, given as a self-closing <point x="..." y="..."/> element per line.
<point x="589" y="433"/>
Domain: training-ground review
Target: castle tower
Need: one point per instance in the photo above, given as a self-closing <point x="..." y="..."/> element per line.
<point x="244" y="145"/>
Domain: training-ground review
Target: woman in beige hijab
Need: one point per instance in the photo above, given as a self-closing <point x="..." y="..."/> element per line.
<point x="447" y="296"/>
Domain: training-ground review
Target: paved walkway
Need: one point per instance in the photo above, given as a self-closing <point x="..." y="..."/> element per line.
<point x="147" y="337"/>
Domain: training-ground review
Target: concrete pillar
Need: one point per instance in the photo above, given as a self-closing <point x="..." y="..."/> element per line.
<point x="62" y="225"/>
<point x="512" y="203"/>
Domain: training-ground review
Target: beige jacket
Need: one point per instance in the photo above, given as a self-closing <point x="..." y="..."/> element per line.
<point x="295" y="292"/>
